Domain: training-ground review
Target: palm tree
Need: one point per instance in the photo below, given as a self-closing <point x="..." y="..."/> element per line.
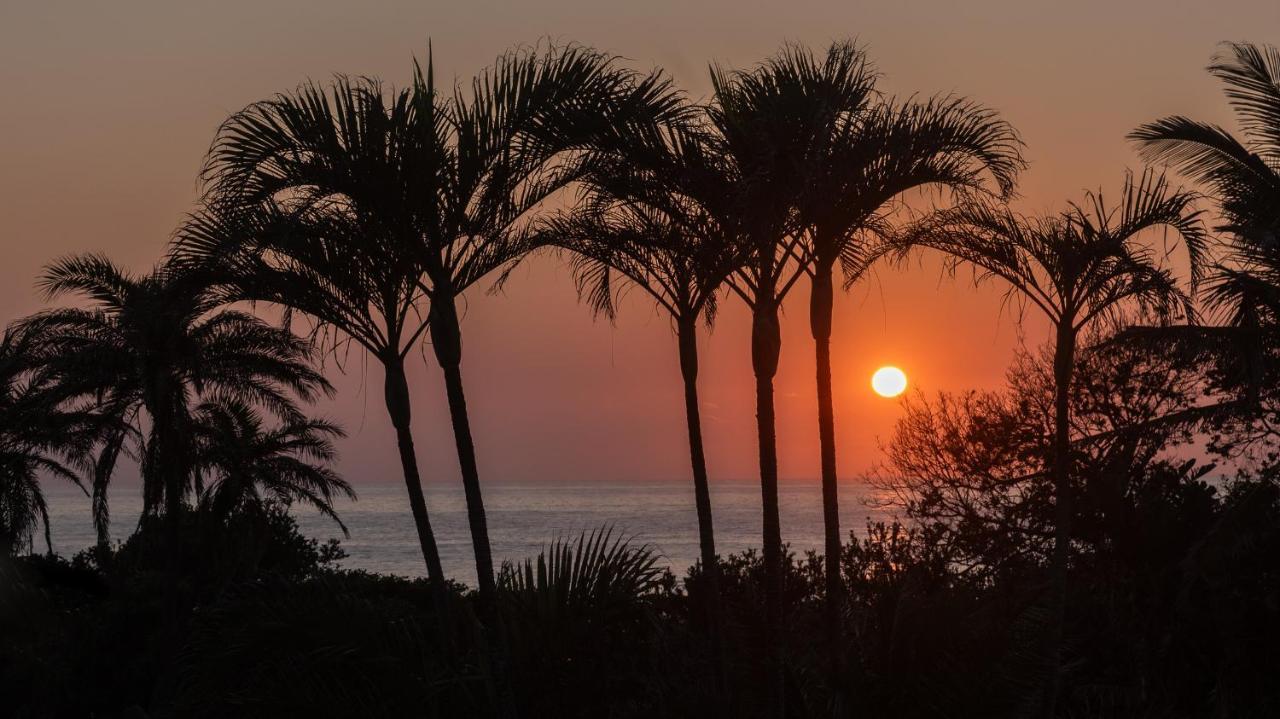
<point x="151" y="345"/>
<point x="862" y="156"/>
<point x="335" y="251"/>
<point x="1244" y="177"/>
<point x="633" y="226"/>
<point x="449" y="186"/>
<point x="758" y="130"/>
<point x="1079" y="268"/>
<point x="250" y="463"/>
<point x="521" y="136"/>
<point x="39" y="434"/>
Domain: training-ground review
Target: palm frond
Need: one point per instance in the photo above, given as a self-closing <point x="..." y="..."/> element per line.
<point x="597" y="573"/>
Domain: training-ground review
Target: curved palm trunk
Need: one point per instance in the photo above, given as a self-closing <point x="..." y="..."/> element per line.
<point x="687" y="331"/>
<point x="446" y="339"/>
<point x="821" y="303"/>
<point x="396" y="392"/>
<point x="1063" y="368"/>
<point x="766" y="345"/>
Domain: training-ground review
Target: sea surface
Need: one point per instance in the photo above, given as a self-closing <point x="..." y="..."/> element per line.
<point x="522" y="519"/>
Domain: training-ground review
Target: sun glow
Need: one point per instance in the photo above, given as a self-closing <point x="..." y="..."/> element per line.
<point x="889" y="381"/>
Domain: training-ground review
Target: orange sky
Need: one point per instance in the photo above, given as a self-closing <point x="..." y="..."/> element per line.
<point x="108" y="108"/>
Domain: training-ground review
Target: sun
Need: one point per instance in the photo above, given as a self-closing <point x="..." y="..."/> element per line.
<point x="889" y="381"/>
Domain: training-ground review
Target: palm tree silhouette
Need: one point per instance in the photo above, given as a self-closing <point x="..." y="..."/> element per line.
<point x="759" y="129"/>
<point x="1244" y="177"/>
<point x="1079" y="268"/>
<point x="863" y="155"/>
<point x="249" y="463"/>
<point x="334" y="250"/>
<point x="449" y="186"/>
<point x="150" y="345"/>
<point x="39" y="434"/>
<point x="635" y="226"/>
<point x="499" y="153"/>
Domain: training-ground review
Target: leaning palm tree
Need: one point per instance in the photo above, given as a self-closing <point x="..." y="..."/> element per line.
<point x="1243" y="175"/>
<point x="1079" y="268"/>
<point x="449" y="186"/>
<point x="865" y="155"/>
<point x="247" y="463"/>
<point x="634" y="227"/>
<point x="334" y="251"/>
<point x="148" y="346"/>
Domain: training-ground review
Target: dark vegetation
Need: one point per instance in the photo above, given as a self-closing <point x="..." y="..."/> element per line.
<point x="1097" y="539"/>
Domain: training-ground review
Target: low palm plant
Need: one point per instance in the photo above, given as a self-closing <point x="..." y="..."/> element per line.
<point x="597" y="574"/>
<point x="579" y="620"/>
<point x="242" y="464"/>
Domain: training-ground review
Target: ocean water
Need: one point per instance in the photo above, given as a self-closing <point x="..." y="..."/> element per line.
<point x="522" y="519"/>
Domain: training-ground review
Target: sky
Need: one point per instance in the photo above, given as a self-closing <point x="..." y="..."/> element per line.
<point x="108" y="109"/>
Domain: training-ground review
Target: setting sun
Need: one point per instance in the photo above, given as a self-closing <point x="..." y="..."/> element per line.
<point x="889" y="381"/>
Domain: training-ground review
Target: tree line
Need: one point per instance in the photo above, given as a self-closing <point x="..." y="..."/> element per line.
<point x="366" y="212"/>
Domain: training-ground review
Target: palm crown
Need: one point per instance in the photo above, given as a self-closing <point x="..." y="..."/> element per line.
<point x="1083" y="264"/>
<point x="40" y="434"/>
<point x="150" y="345"/>
<point x="1243" y="175"/>
<point x="644" y="218"/>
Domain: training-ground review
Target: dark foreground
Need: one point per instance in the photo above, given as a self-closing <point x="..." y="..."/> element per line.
<point x="1175" y="613"/>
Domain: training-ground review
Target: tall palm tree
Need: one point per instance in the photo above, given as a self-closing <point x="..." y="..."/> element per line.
<point x="450" y="186"/>
<point x="1243" y="175"/>
<point x="633" y="226"/>
<point x="39" y="434"/>
<point x="1078" y="268"/>
<point x="334" y="248"/>
<point x="501" y="151"/>
<point x="861" y="158"/>
<point x="149" y="345"/>
<point x="758" y="129"/>
<point x="248" y="463"/>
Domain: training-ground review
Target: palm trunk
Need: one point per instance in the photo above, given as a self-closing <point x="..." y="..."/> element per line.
<point x="1063" y="368"/>
<point x="102" y="470"/>
<point x="688" y="339"/>
<point x="820" y="309"/>
<point x="446" y="339"/>
<point x="766" y="345"/>
<point x="396" y="388"/>
<point x="165" y="461"/>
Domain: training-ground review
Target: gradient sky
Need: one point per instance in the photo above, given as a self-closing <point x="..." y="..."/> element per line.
<point x="108" y="108"/>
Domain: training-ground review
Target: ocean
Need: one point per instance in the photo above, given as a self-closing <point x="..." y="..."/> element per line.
<point x="522" y="519"/>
